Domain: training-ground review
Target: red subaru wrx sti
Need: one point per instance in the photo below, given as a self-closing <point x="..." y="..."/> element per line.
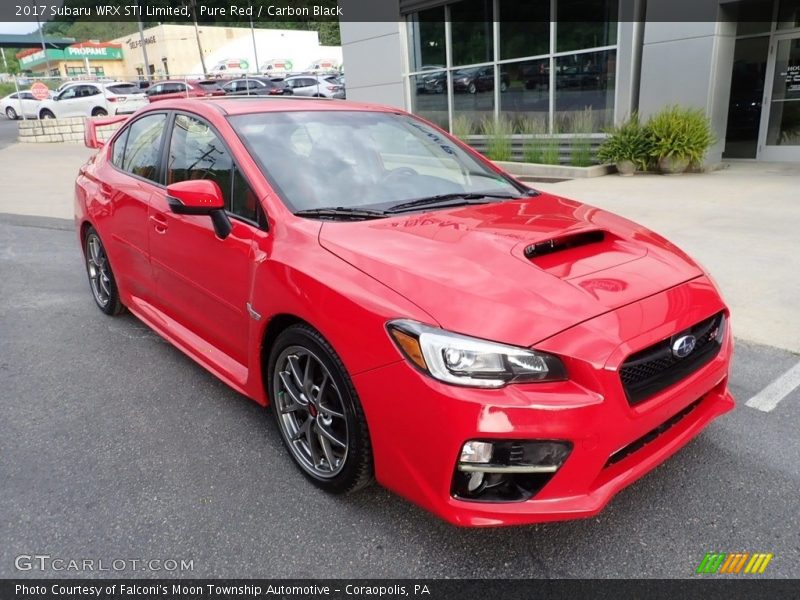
<point x="414" y="315"/>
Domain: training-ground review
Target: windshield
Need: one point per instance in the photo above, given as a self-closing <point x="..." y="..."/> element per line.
<point x="355" y="159"/>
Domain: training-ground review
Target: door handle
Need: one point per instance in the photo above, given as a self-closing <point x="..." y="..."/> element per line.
<point x="159" y="223"/>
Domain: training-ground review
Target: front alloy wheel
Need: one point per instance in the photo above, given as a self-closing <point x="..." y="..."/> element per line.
<point x="318" y="414"/>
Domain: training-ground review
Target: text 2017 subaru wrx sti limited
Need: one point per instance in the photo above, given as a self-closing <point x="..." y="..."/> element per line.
<point x="413" y="314"/>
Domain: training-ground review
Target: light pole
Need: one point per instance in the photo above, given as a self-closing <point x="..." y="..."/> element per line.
<point x="41" y="38"/>
<point x="253" y="33"/>
<point x="144" y="52"/>
<point x="193" y="4"/>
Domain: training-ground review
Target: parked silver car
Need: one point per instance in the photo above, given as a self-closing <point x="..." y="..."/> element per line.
<point x="320" y="86"/>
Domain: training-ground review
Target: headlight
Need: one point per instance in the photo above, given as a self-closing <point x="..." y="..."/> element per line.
<point x="464" y="360"/>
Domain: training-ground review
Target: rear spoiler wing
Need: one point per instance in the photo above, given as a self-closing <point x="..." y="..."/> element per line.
<point x="91" y="125"/>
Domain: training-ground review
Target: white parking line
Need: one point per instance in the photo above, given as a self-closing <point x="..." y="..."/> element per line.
<point x="768" y="398"/>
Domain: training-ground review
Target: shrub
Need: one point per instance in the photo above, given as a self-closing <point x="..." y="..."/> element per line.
<point x="550" y="151"/>
<point x="533" y="146"/>
<point x="581" y="147"/>
<point x="628" y="141"/>
<point x="682" y="133"/>
<point x="498" y="138"/>
<point x="462" y="127"/>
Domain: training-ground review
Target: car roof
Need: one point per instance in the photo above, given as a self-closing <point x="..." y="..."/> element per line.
<point x="242" y="105"/>
<point x="168" y="81"/>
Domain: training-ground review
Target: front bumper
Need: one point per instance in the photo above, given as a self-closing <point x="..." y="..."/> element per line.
<point x="418" y="425"/>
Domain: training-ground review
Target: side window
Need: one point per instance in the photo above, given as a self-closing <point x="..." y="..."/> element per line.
<point x="118" y="151"/>
<point x="143" y="145"/>
<point x="195" y="152"/>
<point x="68" y="93"/>
<point x="92" y="90"/>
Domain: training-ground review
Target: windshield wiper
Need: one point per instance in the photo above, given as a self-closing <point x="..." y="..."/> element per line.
<point x="465" y="197"/>
<point x="341" y="212"/>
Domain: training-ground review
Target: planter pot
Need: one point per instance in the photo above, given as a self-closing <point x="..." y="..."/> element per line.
<point x="626" y="168"/>
<point x="673" y="165"/>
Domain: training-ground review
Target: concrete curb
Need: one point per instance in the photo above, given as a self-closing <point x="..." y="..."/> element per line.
<point x="520" y="169"/>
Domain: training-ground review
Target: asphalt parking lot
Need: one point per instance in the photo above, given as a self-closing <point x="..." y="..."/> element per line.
<point x="8" y="132"/>
<point x="115" y="445"/>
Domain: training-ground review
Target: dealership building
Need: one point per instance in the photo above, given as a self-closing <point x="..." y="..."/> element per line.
<point x="458" y="63"/>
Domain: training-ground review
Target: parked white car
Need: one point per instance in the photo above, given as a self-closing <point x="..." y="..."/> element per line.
<point x="323" y="86"/>
<point x="17" y="104"/>
<point x="94" y="100"/>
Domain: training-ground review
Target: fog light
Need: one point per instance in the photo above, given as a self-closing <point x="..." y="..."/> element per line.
<point x="476" y="452"/>
<point x="475" y="481"/>
<point x="507" y="470"/>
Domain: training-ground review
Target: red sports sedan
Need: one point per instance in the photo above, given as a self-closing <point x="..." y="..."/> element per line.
<point x="413" y="314"/>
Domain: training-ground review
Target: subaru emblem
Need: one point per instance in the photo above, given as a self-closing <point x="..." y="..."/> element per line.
<point x="683" y="346"/>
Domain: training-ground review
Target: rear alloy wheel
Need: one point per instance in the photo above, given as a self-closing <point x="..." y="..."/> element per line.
<point x="11" y="113"/>
<point x="101" y="277"/>
<point x="46" y="114"/>
<point x="99" y="112"/>
<point x="318" y="412"/>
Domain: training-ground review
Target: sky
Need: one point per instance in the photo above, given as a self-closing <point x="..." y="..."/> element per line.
<point x="6" y="27"/>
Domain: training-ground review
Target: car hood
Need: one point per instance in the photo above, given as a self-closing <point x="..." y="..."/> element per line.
<point x="516" y="271"/>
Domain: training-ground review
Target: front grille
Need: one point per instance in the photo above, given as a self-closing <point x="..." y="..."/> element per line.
<point x="651" y="435"/>
<point x="653" y="369"/>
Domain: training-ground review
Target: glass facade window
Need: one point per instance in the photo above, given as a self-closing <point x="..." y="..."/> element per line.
<point x="585" y="81"/>
<point x="600" y="31"/>
<point x="530" y="76"/>
<point x="473" y="95"/>
<point x="788" y="14"/>
<point x="524" y="28"/>
<point x="429" y="97"/>
<point x="783" y="128"/>
<point x="528" y="92"/>
<point x="426" y="44"/>
<point x="472" y="32"/>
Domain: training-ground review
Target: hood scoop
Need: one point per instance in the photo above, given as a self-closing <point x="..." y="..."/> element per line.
<point x="566" y="242"/>
<point x="579" y="253"/>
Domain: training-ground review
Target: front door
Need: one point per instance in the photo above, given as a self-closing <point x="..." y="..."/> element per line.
<point x="202" y="281"/>
<point x="780" y="121"/>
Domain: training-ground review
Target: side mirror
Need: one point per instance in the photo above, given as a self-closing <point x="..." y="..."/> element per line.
<point x="200" y="197"/>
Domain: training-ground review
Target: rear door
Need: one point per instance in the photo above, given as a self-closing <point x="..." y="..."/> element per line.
<point x="130" y="178"/>
<point x="203" y="282"/>
<point x="29" y="104"/>
<point x="90" y="97"/>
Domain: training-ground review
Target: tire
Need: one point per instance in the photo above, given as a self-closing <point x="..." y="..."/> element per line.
<point x="308" y="403"/>
<point x="11" y="114"/>
<point x="46" y="114"/>
<point x="101" y="277"/>
<point x="472" y="89"/>
<point x="503" y="86"/>
<point x="99" y="112"/>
